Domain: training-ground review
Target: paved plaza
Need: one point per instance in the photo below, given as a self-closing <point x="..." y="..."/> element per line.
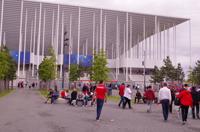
<point x="25" y="111"/>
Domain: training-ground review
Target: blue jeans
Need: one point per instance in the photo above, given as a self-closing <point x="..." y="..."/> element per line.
<point x="165" y="108"/>
<point x="100" y="103"/>
<point x="121" y="101"/>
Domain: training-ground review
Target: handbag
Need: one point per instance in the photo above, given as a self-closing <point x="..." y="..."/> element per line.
<point x="177" y="102"/>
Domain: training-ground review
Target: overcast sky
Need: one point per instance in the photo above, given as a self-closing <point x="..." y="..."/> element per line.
<point x="175" y="8"/>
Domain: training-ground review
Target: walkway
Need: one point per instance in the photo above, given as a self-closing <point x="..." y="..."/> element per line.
<point x="24" y="111"/>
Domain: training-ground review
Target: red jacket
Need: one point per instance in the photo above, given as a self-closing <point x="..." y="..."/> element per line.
<point x="121" y="90"/>
<point x="185" y="98"/>
<point x="149" y="94"/>
<point x="101" y="91"/>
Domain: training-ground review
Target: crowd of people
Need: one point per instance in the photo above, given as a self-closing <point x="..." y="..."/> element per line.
<point x="168" y="96"/>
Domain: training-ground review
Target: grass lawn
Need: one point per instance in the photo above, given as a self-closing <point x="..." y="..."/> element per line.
<point x="113" y="98"/>
<point x="5" y="92"/>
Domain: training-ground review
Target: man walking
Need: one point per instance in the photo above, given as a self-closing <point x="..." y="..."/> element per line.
<point x="121" y="94"/>
<point x="164" y="96"/>
<point x="101" y="97"/>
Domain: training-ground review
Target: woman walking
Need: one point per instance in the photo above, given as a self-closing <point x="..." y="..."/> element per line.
<point x="127" y="96"/>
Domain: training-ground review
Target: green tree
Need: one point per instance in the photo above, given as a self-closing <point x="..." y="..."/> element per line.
<point x="47" y="69"/>
<point x="194" y="75"/>
<point x="179" y="73"/>
<point x="74" y="73"/>
<point x="191" y="76"/>
<point x="99" y="68"/>
<point x="168" y="70"/>
<point x="157" y="75"/>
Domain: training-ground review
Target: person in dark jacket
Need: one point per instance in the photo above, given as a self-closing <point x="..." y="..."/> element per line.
<point x="173" y="98"/>
<point x="195" y="106"/>
<point x="186" y="101"/>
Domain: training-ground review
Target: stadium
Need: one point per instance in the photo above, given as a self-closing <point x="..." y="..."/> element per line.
<point x="133" y="42"/>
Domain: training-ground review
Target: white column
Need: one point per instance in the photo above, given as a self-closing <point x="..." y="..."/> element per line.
<point x="156" y="37"/>
<point x="86" y="47"/>
<point x="175" y="45"/>
<point x="1" y="24"/>
<point x="4" y="39"/>
<point x="93" y="34"/>
<point x="20" y="38"/>
<point x="79" y="22"/>
<point x="52" y="31"/>
<point x="24" y="57"/>
<point x="127" y="46"/>
<point x="190" y="43"/>
<point x="131" y="47"/>
<point x="164" y="44"/>
<point x="34" y="42"/>
<point x="150" y="56"/>
<point x="168" y="34"/>
<point x="57" y="34"/>
<point x="62" y="45"/>
<point x="39" y="36"/>
<point x="70" y="41"/>
<point x="104" y="37"/>
<point x="31" y="44"/>
<point x="101" y="12"/>
<point x="144" y="35"/>
<point x="117" y="48"/>
<point x="43" y="38"/>
<point x="138" y="40"/>
<point x="97" y="38"/>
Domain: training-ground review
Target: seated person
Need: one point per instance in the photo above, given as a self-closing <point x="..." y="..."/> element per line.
<point x="138" y="96"/>
<point x="49" y="95"/>
<point x="65" y="94"/>
<point x="55" y="95"/>
<point x="73" y="96"/>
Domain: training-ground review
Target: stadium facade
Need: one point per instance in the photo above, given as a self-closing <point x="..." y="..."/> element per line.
<point x="132" y="41"/>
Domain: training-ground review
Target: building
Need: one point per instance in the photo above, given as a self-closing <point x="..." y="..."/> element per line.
<point x="132" y="41"/>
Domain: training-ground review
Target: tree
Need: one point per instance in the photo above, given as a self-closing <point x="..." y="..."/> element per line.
<point x="168" y="70"/>
<point x="74" y="73"/>
<point x="47" y="69"/>
<point x="179" y="73"/>
<point x="157" y="75"/>
<point x="99" y="68"/>
<point x="7" y="67"/>
<point x="194" y="75"/>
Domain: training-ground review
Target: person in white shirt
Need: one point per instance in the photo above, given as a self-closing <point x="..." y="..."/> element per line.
<point x="127" y="96"/>
<point x="164" y="96"/>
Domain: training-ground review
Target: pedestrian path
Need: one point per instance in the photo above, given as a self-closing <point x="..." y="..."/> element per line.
<point x="25" y="111"/>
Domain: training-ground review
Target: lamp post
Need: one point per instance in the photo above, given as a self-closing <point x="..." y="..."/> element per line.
<point x="63" y="66"/>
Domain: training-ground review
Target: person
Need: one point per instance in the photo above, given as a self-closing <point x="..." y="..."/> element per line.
<point x="164" y="96"/>
<point x="49" y="95"/>
<point x="138" y="96"/>
<point x="185" y="101"/>
<point x="65" y="94"/>
<point x="55" y="95"/>
<point x="100" y="98"/>
<point x="195" y="106"/>
<point x="85" y="91"/>
<point x="73" y="96"/>
<point x="127" y="96"/>
<point x="150" y="96"/>
<point x="121" y="94"/>
<point x="173" y="98"/>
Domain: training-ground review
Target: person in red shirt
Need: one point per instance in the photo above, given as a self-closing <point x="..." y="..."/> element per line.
<point x="150" y="96"/>
<point x="121" y="94"/>
<point x="186" y="101"/>
<point x="101" y="97"/>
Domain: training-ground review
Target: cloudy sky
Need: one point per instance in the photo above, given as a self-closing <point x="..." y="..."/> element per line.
<point x="175" y="8"/>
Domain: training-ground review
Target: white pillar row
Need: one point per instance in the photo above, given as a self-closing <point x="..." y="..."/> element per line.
<point x="104" y="35"/>
<point x="43" y="36"/>
<point x="1" y="24"/>
<point x="127" y="50"/>
<point x="20" y="38"/>
<point x="39" y="36"/>
<point x="34" y="40"/>
<point x="31" y="44"/>
<point x="79" y="22"/>
<point x="70" y="41"/>
<point x="24" y="57"/>
<point x="52" y="30"/>
<point x="62" y="45"/>
<point x="101" y="28"/>
<point x="93" y="34"/>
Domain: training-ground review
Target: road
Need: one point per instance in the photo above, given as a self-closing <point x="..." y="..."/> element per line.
<point x="25" y="111"/>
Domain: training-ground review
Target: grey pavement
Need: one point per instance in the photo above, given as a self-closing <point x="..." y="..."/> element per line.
<point x="25" y="111"/>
